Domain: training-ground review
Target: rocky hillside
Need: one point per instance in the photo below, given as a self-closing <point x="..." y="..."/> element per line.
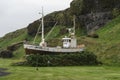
<point x="91" y="17"/>
<point x="107" y="45"/>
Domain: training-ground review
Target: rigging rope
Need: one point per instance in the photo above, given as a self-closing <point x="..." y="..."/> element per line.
<point x="37" y="33"/>
<point x="51" y="30"/>
<point x="47" y="34"/>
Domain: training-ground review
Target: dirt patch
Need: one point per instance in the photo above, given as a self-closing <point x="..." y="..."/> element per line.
<point x="3" y="72"/>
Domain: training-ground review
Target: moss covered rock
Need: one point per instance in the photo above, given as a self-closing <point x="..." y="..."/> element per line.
<point x="6" y="54"/>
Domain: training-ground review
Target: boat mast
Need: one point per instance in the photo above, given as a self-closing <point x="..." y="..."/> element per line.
<point x="42" y="43"/>
<point x="43" y="26"/>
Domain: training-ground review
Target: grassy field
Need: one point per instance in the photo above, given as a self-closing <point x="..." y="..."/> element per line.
<point x="59" y="73"/>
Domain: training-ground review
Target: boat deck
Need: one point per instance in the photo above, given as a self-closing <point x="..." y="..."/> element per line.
<point x="38" y="49"/>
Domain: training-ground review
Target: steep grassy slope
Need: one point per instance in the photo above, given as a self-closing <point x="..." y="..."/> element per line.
<point x="110" y="32"/>
<point x="110" y="37"/>
<point x="107" y="46"/>
<point x="13" y="38"/>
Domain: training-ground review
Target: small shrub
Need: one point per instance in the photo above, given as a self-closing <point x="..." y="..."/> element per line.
<point x="67" y="59"/>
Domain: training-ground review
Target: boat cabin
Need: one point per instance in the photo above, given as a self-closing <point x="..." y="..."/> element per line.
<point x="69" y="42"/>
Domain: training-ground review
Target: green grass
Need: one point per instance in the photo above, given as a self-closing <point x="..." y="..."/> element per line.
<point x="19" y="53"/>
<point x="59" y="73"/>
<point x="13" y="37"/>
<point x="110" y="32"/>
<point x="107" y="47"/>
<point x="110" y="40"/>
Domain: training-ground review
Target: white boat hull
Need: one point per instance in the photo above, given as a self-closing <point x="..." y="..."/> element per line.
<point x="32" y="49"/>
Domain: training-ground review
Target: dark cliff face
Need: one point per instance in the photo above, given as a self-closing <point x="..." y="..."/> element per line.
<point x="93" y="14"/>
<point x="79" y="7"/>
<point x="90" y="15"/>
<point x="63" y="18"/>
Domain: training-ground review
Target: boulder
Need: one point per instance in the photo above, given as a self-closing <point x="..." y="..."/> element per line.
<point x="6" y="54"/>
<point x="14" y="46"/>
